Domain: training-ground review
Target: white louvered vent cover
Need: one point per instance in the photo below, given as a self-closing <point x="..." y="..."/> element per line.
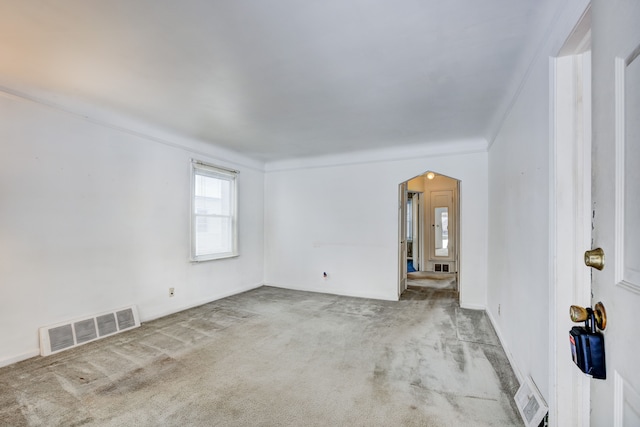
<point x="63" y="336"/>
<point x="530" y="403"/>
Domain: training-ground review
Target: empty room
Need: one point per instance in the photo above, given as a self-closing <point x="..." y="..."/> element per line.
<point x="336" y="213"/>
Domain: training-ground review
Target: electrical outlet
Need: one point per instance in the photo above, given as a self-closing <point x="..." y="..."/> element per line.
<point x="498" y="309"/>
<point x="172" y="292"/>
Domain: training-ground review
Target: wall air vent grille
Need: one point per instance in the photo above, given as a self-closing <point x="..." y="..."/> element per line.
<point x="125" y="319"/>
<point x="530" y="403"/>
<point x="85" y="330"/>
<point x="61" y="337"/>
<point x="106" y="324"/>
<point x="73" y="333"/>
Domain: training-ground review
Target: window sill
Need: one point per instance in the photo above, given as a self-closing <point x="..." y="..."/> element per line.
<point x="214" y="258"/>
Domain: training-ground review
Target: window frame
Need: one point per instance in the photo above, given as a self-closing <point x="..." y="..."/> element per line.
<point x="199" y="168"/>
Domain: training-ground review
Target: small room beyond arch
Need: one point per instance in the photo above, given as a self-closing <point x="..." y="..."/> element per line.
<point x="429" y="232"/>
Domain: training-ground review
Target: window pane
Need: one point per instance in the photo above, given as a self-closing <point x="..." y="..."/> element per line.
<point x="212" y="196"/>
<point x="442" y="231"/>
<point x="213" y="235"/>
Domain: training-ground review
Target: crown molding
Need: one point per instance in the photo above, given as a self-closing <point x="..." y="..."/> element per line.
<point x="396" y="153"/>
<point x="130" y="126"/>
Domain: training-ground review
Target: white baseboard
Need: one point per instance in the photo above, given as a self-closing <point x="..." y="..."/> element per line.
<point x="384" y="297"/>
<point x="505" y="347"/>
<point x="212" y="298"/>
<point x="473" y="306"/>
<point x="19" y="358"/>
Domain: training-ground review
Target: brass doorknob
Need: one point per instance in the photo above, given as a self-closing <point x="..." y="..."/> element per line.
<point x="594" y="258"/>
<point x="601" y="315"/>
<point x="581" y="314"/>
<point x="578" y="314"/>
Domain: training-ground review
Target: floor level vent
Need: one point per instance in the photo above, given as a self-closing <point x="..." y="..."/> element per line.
<point x="444" y="268"/>
<point x="63" y="336"/>
<point x="530" y="403"/>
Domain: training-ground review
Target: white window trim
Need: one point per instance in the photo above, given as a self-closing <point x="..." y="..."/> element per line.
<point x="201" y="168"/>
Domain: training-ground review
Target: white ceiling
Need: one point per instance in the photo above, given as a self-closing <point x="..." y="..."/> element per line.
<point x="281" y="78"/>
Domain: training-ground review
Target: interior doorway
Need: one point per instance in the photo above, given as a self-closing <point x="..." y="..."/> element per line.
<point x="429" y="219"/>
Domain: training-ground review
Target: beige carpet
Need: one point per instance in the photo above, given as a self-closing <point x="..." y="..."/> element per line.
<point x="273" y="357"/>
<point x="432" y="280"/>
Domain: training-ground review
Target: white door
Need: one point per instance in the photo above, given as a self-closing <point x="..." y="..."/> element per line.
<point x="616" y="206"/>
<point x="402" y="238"/>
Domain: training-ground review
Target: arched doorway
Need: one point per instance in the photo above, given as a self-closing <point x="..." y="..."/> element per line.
<point x="429" y="238"/>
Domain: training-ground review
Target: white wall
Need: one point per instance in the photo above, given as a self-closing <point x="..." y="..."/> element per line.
<point x="93" y="218"/>
<point x="519" y="209"/>
<point x="342" y="219"/>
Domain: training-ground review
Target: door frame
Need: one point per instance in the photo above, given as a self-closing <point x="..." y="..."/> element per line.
<point x="417" y="227"/>
<point x="569" y="219"/>
<point x="402" y="237"/>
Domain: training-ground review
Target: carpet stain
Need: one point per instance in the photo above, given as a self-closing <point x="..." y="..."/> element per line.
<point x="379" y="374"/>
<point x="508" y="383"/>
<point x="455" y="351"/>
<point x="139" y="378"/>
<point x="82" y="422"/>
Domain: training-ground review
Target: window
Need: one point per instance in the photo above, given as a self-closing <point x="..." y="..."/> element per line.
<point x="214" y="225"/>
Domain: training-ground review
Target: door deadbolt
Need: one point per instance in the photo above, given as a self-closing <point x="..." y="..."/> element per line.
<point x="594" y="258"/>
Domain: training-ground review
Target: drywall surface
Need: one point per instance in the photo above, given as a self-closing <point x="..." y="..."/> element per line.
<point x="519" y="208"/>
<point x="343" y="220"/>
<point x="93" y="218"/>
